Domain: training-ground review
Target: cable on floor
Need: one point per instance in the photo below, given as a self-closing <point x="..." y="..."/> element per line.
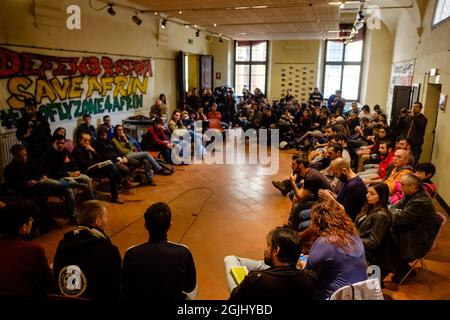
<point x="195" y="215"/>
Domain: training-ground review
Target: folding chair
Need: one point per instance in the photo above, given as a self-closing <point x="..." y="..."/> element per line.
<point x="441" y="219"/>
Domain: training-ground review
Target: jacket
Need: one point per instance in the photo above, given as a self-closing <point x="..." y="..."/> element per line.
<point x="58" y="164"/>
<point x="98" y="259"/>
<point x="395" y="175"/>
<point x="375" y="233"/>
<point x="24" y="270"/>
<point x="84" y="159"/>
<point x="276" y="283"/>
<point x="415" y="225"/>
<point x="159" y="270"/>
<point x="40" y="139"/>
<point x="17" y="175"/>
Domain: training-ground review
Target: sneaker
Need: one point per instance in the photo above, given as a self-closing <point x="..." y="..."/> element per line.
<point x="164" y="172"/>
<point x="129" y="184"/>
<point x="117" y="200"/>
<point x="280" y="186"/>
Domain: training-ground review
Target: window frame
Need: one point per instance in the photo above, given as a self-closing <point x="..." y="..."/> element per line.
<point x="435" y="25"/>
<point x="250" y="63"/>
<point x="344" y="63"/>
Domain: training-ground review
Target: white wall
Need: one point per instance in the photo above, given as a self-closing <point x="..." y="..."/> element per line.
<point x="431" y="50"/>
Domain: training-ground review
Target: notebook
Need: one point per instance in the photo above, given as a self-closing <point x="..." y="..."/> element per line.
<point x="238" y="273"/>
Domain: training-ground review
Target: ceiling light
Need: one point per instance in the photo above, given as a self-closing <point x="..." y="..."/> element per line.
<point x="195" y="26"/>
<point x="136" y="19"/>
<point x="164" y="24"/>
<point x="241" y="8"/>
<point x="334" y="31"/>
<point x="337" y="3"/>
<point x="186" y="26"/>
<point x="259" y="7"/>
<point x="156" y="13"/>
<point x="111" y="9"/>
<point x="180" y="12"/>
<point x="215" y="24"/>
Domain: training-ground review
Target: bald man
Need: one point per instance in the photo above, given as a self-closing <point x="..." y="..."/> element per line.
<point x="352" y="192"/>
<point x="402" y="165"/>
<point x="414" y="225"/>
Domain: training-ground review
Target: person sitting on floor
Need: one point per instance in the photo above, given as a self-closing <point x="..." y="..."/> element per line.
<point x="24" y="270"/>
<point x="276" y="277"/>
<point x="87" y="255"/>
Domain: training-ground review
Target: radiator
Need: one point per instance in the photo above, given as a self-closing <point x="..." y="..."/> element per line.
<point x="6" y="142"/>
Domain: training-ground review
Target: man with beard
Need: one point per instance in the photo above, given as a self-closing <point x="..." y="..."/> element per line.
<point x="305" y="195"/>
<point x="376" y="173"/>
<point x="277" y="277"/>
<point x="351" y="194"/>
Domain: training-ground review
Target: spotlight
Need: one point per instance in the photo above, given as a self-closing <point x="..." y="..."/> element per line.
<point x="164" y="24"/>
<point x="197" y="33"/>
<point x="136" y="19"/>
<point x="359" y="25"/>
<point x="111" y="10"/>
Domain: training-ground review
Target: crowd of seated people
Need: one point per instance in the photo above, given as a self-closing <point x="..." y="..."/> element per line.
<point x="87" y="265"/>
<point x="357" y="199"/>
<point x="47" y="164"/>
<point x="379" y="184"/>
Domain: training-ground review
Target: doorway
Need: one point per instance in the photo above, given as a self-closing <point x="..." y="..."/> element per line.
<point x="430" y="111"/>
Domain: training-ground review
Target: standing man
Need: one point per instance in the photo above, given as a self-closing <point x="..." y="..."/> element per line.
<point x="107" y="123"/>
<point x="158" y="269"/>
<point x="33" y="131"/>
<point x="86" y="126"/>
<point x="86" y="263"/>
<point x="413" y="127"/>
<point x="316" y="97"/>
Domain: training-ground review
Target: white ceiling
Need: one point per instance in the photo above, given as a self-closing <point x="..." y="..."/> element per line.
<point x="280" y="20"/>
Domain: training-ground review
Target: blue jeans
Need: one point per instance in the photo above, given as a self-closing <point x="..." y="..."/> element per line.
<point x="305" y="219"/>
<point x="147" y="161"/>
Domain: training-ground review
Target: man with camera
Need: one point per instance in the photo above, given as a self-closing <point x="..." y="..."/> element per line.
<point x="412" y="125"/>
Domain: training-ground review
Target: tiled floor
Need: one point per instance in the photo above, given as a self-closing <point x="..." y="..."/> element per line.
<point x="235" y="220"/>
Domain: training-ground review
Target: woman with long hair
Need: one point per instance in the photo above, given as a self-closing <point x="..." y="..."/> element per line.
<point x="374" y="224"/>
<point x="337" y="255"/>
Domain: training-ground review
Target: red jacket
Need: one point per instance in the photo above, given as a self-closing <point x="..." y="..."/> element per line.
<point x="157" y="135"/>
<point x="24" y="270"/>
<point x="384" y="164"/>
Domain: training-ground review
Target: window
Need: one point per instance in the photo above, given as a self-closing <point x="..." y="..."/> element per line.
<point x="250" y="65"/>
<point x="343" y="64"/>
<point x="441" y="12"/>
